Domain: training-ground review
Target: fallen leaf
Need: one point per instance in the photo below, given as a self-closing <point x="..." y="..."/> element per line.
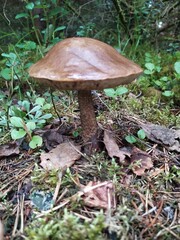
<point x="102" y="196"/>
<point x="113" y="148"/>
<point x="162" y="135"/>
<point x="60" y="157"/>
<point x="143" y="161"/>
<point x="52" y="137"/>
<point x="9" y="149"/>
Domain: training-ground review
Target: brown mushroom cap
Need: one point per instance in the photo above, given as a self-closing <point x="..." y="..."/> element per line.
<point x="84" y="64"/>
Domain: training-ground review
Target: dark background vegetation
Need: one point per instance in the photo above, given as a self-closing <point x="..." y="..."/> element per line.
<point x="116" y="22"/>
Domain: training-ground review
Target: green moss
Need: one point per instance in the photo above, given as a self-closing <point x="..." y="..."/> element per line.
<point x="44" y="180"/>
<point x="152" y="110"/>
<point x="68" y="226"/>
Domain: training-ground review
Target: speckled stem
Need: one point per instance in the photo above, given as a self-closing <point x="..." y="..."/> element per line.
<point x="87" y="114"/>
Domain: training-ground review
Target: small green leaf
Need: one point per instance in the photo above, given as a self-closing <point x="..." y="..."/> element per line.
<point x="6" y="73"/>
<point x="168" y="93"/>
<point x="17" y="134"/>
<point x="177" y="67"/>
<point x="48" y="32"/>
<point x="40" y="122"/>
<point x="148" y="55"/>
<point x="18" y="112"/>
<point x="38" y="114"/>
<point x="26" y="105"/>
<point x="60" y="29"/>
<point x="35" y="142"/>
<point x="12" y="56"/>
<point x="150" y="66"/>
<point x="141" y="134"/>
<point x="27" y="45"/>
<point x="158" y="83"/>
<point x="5" y="55"/>
<point x="158" y="68"/>
<point x="31" y="126"/>
<point x="21" y="15"/>
<point x="17" y="122"/>
<point x="30" y="6"/>
<point x="121" y="90"/>
<point x="130" y="139"/>
<point x="46" y="116"/>
<point x="46" y="106"/>
<point x="35" y="109"/>
<point x="40" y="101"/>
<point x="148" y="72"/>
<point x="110" y="92"/>
<point x="75" y="134"/>
<point x="164" y="79"/>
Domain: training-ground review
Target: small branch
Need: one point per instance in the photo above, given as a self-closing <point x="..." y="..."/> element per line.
<point x="4" y="12"/>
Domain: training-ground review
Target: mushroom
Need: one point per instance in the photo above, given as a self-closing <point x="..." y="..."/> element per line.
<point x="84" y="64"/>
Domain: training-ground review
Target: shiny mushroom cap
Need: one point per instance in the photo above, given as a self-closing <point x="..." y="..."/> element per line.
<point x="84" y="64"/>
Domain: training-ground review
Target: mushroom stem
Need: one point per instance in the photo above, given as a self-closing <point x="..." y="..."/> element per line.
<point x="88" y="118"/>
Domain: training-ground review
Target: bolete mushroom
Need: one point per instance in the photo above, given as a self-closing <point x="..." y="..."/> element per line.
<point x="84" y="64"/>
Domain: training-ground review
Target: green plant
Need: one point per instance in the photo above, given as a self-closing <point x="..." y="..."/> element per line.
<point x="15" y="64"/>
<point x="111" y="92"/>
<point x="133" y="139"/>
<point x="152" y="64"/>
<point x="177" y="68"/>
<point x="44" y="16"/>
<point x="22" y="119"/>
<point x="21" y="129"/>
<point x="86" y="31"/>
<point x="172" y="175"/>
<point x="154" y="73"/>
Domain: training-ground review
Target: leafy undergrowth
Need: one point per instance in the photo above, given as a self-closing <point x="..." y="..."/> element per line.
<point x="129" y="189"/>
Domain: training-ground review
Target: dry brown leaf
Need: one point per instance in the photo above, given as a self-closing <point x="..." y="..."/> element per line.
<point x="112" y="147"/>
<point x="9" y="149"/>
<point x="60" y="157"/>
<point x="100" y="197"/>
<point x="163" y="135"/>
<point x="143" y="161"/>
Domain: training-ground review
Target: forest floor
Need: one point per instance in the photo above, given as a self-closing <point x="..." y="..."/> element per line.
<point x="128" y="189"/>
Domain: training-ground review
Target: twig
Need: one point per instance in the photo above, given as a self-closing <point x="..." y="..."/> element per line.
<point x="154" y="220"/>
<point x="149" y="211"/>
<point x="22" y="213"/>
<point x="82" y="217"/>
<point x="174" y="218"/>
<point x="1" y="230"/>
<point x="57" y="187"/>
<point x="108" y="216"/>
<point x="82" y="154"/>
<point x="17" y="218"/>
<point x="53" y="209"/>
<point x="62" y="195"/>
<point x="4" y="12"/>
<point x="54" y="106"/>
<point x="168" y="230"/>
